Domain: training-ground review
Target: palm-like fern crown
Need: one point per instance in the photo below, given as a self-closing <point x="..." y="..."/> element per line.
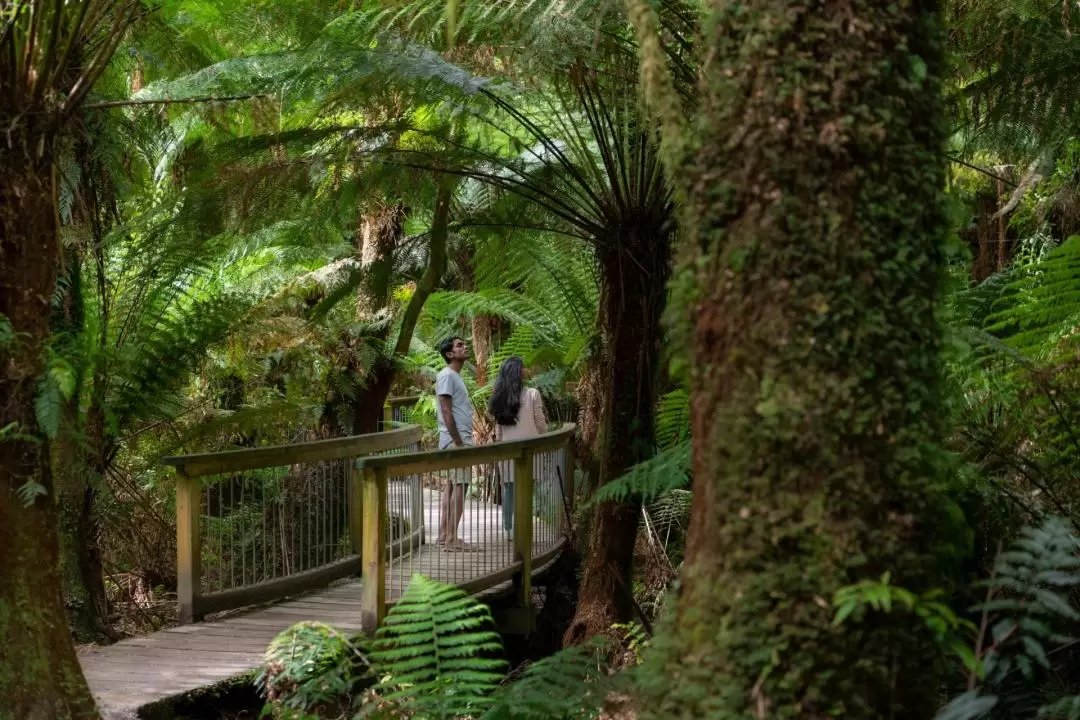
<point x="570" y="142"/>
<point x="364" y="106"/>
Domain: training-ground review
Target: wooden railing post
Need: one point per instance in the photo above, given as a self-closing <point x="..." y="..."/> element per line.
<point x="416" y="496"/>
<point x="356" y="514"/>
<point x="523" y="525"/>
<point x="188" y="545"/>
<point x="373" y="550"/>
<point x="569" y="480"/>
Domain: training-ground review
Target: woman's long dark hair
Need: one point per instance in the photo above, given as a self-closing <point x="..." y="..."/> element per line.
<point x="506" y="397"/>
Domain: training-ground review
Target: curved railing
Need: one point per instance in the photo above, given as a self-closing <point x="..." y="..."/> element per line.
<point x="540" y="473"/>
<point x="260" y="524"/>
<point x="398" y="411"/>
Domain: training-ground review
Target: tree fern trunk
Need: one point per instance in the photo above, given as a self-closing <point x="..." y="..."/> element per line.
<point x="815" y="229"/>
<point x="381" y="231"/>
<point x="40" y="676"/>
<point x="369" y="404"/>
<point x="378" y="235"/>
<point x="483" y="331"/>
<point x="634" y="271"/>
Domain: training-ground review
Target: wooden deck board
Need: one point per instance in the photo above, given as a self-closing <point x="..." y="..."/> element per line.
<point x="138" y="671"/>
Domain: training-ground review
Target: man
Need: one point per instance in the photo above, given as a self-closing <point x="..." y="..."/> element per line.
<point x="455" y="416"/>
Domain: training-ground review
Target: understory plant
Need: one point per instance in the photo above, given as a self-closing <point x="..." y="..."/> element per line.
<point x="436" y="656"/>
<point x="1025" y="632"/>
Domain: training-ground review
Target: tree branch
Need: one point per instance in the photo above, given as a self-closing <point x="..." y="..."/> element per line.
<point x="984" y="171"/>
<point x="173" y="101"/>
<point x="437" y="259"/>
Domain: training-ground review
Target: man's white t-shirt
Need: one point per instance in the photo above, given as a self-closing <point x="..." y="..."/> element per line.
<point x="449" y="382"/>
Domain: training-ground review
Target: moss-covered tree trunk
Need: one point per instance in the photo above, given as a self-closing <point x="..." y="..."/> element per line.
<point x="813" y="192"/>
<point x="634" y="271"/>
<point x="40" y="678"/>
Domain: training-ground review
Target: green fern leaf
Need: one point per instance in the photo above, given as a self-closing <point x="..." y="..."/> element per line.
<point x="48" y="405"/>
<point x="1067" y="708"/>
<point x="436" y="652"/>
<point x="667" y="470"/>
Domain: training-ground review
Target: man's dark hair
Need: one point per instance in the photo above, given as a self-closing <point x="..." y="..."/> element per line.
<point x="446" y="346"/>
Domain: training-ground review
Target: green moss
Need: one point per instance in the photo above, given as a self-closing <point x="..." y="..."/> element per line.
<point x="814" y="205"/>
<point x="40" y="675"/>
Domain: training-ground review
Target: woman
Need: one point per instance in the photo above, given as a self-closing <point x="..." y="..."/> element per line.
<point x="519" y="413"/>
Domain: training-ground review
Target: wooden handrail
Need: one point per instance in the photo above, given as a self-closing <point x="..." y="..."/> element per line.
<point x="435" y="460"/>
<point x="373" y="473"/>
<point x="254" y="458"/>
<point x="193" y="604"/>
<point x="395" y="403"/>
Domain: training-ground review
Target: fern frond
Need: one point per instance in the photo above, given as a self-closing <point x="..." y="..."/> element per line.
<point x="435" y="648"/>
<point x="309" y="665"/>
<point x="672" y="419"/>
<point x="1067" y="708"/>
<point x="1032" y="581"/>
<point x="1018" y="71"/>
<point x="670" y="511"/>
<point x="666" y="471"/>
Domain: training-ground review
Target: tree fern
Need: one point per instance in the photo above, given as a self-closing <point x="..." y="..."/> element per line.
<point x="435" y="650"/>
<point x="500" y="302"/>
<point x="1017" y="67"/>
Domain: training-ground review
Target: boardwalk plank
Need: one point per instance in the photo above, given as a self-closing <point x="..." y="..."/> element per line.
<point x="171" y="662"/>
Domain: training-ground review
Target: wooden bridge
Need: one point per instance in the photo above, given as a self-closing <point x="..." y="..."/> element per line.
<point x="332" y="531"/>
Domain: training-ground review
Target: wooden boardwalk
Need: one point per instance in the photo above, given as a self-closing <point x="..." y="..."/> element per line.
<point x="139" y="671"/>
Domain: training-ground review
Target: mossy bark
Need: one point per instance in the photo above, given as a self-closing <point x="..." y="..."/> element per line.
<point x="81" y="566"/>
<point x="815" y="227"/>
<point x="40" y="677"/>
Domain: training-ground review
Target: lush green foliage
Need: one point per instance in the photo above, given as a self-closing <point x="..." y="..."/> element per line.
<point x="433" y="658"/>
<point x="214" y="286"/>
<point x="310" y="668"/>
<point x="1024" y="620"/>
<point x="565" y="686"/>
<point x="1017" y="72"/>
<point x="436" y="653"/>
